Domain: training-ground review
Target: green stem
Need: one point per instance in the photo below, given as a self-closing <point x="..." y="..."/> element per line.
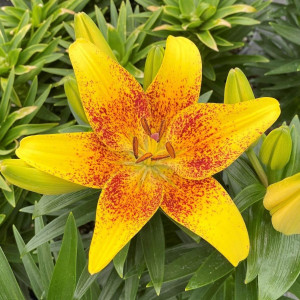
<point x="257" y="167"/>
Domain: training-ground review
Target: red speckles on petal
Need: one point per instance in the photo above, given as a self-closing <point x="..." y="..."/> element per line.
<point x="209" y="137"/>
<point x="205" y="208"/>
<point x="124" y="207"/>
<point x="113" y="100"/>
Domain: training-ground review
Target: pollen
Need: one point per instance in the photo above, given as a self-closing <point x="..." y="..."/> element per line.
<point x="170" y="149"/>
<point x="135" y="146"/>
<point x="159" y="157"/>
<point x="145" y="126"/>
<point x="144" y="157"/>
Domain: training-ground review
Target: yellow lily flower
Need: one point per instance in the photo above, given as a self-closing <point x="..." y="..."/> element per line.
<point x="283" y="201"/>
<point x="157" y="148"/>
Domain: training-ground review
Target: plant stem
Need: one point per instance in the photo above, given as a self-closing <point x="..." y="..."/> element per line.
<point x="257" y="167"/>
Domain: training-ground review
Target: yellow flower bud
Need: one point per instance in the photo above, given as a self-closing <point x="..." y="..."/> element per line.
<point x="283" y="201"/>
<point x="152" y="65"/>
<point x="237" y="87"/>
<point x="19" y="173"/>
<point x="276" y="149"/>
<point x="85" y="28"/>
<point x="72" y="93"/>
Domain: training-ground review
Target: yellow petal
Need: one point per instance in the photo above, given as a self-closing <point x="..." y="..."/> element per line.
<point x="178" y="81"/>
<point x="124" y="207"/>
<point x="283" y="201"/>
<point x="205" y="208"/>
<point x="77" y="157"/>
<point x="113" y="100"/>
<point x="19" y="173"/>
<point x="207" y="138"/>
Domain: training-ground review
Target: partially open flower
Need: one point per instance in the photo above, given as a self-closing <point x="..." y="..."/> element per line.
<point x="283" y="202"/>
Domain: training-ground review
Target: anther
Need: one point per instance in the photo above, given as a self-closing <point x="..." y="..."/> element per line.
<point x="170" y="149"/>
<point x="144" y="157"/>
<point x="146" y="126"/>
<point x="159" y="157"/>
<point x="135" y="146"/>
<point x="162" y="129"/>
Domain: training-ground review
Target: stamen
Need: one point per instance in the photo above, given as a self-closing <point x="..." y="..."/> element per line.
<point x="146" y="126"/>
<point x="135" y="145"/>
<point x="159" y="157"/>
<point x="170" y="150"/>
<point x="144" y="157"/>
<point x="162" y="129"/>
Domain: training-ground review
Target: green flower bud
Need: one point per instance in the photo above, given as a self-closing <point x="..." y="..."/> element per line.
<point x="152" y="65"/>
<point x="237" y="87"/>
<point x="85" y="28"/>
<point x="72" y="93"/>
<point x="19" y="173"/>
<point x="276" y="149"/>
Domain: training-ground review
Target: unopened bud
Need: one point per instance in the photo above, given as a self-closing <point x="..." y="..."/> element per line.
<point x="283" y="201"/>
<point x="276" y="149"/>
<point x="237" y="87"/>
<point x="85" y="28"/>
<point x="153" y="62"/>
<point x="19" y="173"/>
<point x="73" y="96"/>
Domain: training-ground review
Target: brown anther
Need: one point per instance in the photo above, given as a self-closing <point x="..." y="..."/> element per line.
<point x="159" y="157"/>
<point x="135" y="146"/>
<point x="162" y="129"/>
<point x="146" y="126"/>
<point x="170" y="149"/>
<point x="144" y="157"/>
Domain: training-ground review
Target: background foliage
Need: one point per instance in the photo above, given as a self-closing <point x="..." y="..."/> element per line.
<point x="44" y="239"/>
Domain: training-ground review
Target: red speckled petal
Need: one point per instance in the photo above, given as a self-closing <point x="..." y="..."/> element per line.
<point x="207" y="138"/>
<point x="178" y="81"/>
<point x="77" y="157"/>
<point x="205" y="208"/>
<point x="113" y="100"/>
<point x="124" y="207"/>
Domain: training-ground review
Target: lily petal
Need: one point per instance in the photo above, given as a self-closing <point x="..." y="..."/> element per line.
<point x="178" y="81"/>
<point x="77" y="157"/>
<point x="283" y="201"/>
<point x="113" y="100"/>
<point x="207" y="138"/>
<point x="205" y="208"/>
<point x="125" y="205"/>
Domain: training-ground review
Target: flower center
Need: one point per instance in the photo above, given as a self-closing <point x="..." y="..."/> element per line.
<point x="153" y="149"/>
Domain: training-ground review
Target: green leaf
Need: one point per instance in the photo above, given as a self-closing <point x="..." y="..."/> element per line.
<point x="207" y="39"/>
<point x="287" y="32"/>
<point x="45" y="259"/>
<point x="113" y="14"/>
<point x="275" y="257"/>
<point x="29" y="265"/>
<point x="63" y="281"/>
<point x="186" y="7"/>
<point x="84" y="213"/>
<point x="85" y="281"/>
<point x="120" y="258"/>
<point x="214" y="268"/>
<point x="290" y="67"/>
<point x="121" y="25"/>
<point x="4" y="103"/>
<point x="250" y="195"/>
<point x="204" y="98"/>
<point x="9" y="286"/>
<point x="4" y="185"/>
<point x="153" y="241"/>
<point x="242" y="21"/>
<point x="112" y="284"/>
<point x="39" y="34"/>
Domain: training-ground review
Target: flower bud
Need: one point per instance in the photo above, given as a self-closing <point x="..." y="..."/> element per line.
<point x="19" y="173"/>
<point x="276" y="149"/>
<point x="153" y="62"/>
<point x="283" y="201"/>
<point x="85" y="28"/>
<point x="72" y="93"/>
<point x="237" y="87"/>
